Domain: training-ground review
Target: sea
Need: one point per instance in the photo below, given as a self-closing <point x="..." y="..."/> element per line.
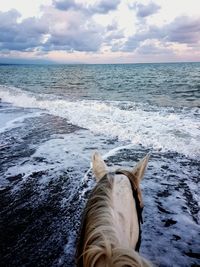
<point x="53" y="118"/>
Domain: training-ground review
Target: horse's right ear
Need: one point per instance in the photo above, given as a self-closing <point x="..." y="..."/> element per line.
<point x="140" y="168"/>
<point x="99" y="167"/>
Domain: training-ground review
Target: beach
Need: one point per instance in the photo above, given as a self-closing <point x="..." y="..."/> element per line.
<point x="53" y="117"/>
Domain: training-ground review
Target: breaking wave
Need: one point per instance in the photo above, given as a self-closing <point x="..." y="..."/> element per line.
<point x="162" y="129"/>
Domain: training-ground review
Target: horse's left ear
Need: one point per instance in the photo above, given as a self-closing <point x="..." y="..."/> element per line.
<point x="99" y="167"/>
<point x="140" y="168"/>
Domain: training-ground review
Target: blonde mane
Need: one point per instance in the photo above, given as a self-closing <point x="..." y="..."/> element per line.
<point x="98" y="243"/>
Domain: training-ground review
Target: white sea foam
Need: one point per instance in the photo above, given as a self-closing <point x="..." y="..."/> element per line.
<point x="59" y="153"/>
<point x="160" y="130"/>
<point x="17" y="122"/>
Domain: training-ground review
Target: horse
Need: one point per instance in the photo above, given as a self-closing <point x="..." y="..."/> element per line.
<point x="110" y="231"/>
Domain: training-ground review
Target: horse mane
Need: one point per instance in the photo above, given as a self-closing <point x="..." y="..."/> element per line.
<point x="98" y="240"/>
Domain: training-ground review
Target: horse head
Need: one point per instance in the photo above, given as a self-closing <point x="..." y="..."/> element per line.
<point x="110" y="232"/>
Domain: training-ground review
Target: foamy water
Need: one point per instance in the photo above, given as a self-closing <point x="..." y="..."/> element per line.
<point x="163" y="130"/>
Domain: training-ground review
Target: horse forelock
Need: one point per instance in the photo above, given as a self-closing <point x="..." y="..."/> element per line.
<point x="98" y="241"/>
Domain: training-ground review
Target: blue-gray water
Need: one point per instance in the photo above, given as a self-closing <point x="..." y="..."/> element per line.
<point x="175" y="85"/>
<point x="51" y="120"/>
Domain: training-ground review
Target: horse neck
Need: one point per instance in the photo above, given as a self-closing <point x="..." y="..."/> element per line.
<point x="111" y="228"/>
<point x="125" y="218"/>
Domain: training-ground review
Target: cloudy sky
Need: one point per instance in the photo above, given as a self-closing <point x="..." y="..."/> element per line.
<point x="100" y="31"/>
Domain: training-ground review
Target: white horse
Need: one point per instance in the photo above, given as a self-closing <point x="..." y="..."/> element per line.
<point x="110" y="233"/>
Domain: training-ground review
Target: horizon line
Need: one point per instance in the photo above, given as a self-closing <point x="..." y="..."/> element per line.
<point x="83" y="63"/>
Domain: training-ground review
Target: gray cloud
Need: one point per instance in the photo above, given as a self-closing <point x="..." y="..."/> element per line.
<point x="79" y="33"/>
<point x="41" y="34"/>
<point x="100" y="7"/>
<point x="130" y="45"/>
<point x="113" y="34"/>
<point x="77" y="40"/>
<point x="104" y="6"/>
<point x="22" y="36"/>
<point x="151" y="49"/>
<point x="66" y="4"/>
<point x="133" y="42"/>
<point x="112" y="27"/>
<point x="183" y="30"/>
<point x="143" y="11"/>
<point x="9" y="18"/>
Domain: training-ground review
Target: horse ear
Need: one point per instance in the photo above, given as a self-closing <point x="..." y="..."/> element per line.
<point x="140" y="168"/>
<point x="99" y="167"/>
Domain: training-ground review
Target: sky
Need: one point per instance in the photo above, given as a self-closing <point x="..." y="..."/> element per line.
<point x="99" y="31"/>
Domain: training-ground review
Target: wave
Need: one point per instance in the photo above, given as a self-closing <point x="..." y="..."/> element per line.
<point x="161" y="130"/>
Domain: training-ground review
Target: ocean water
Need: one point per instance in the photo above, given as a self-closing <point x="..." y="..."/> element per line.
<point x="53" y="117"/>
